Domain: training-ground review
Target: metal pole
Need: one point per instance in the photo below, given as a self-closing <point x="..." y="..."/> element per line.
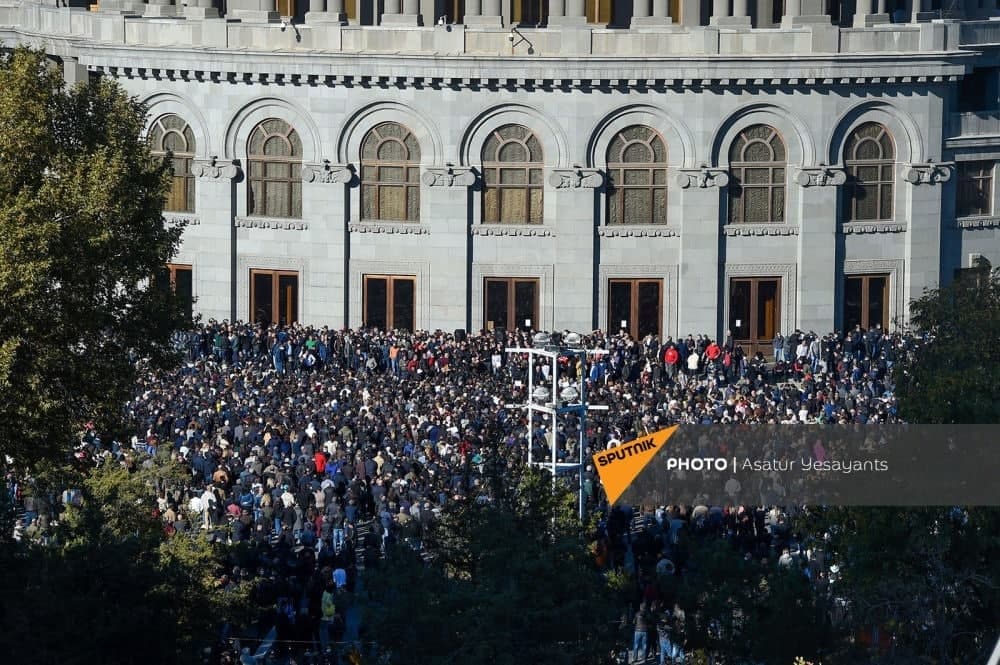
<point x="555" y="414"/>
<point x="531" y="402"/>
<point x="581" y="371"/>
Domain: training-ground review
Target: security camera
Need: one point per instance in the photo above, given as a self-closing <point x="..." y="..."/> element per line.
<point x="284" y="24"/>
<point x="510" y="37"/>
<point x="441" y="20"/>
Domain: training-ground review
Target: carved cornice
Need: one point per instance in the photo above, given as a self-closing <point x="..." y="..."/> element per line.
<point x="215" y="169"/>
<point x="181" y="219"/>
<point x="404" y="228"/>
<point x="732" y="230"/>
<point x="930" y="173"/>
<point x="645" y="231"/>
<point x="821" y="176"/>
<point x="325" y="172"/>
<point x="702" y="177"/>
<point x="983" y="222"/>
<point x="575" y="178"/>
<point x="872" y="227"/>
<point x="511" y="230"/>
<point x="271" y="223"/>
<point x="448" y="176"/>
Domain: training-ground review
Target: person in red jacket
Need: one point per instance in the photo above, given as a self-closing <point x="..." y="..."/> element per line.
<point x="670" y="359"/>
<point x="320" y="461"/>
<point x="713" y="351"/>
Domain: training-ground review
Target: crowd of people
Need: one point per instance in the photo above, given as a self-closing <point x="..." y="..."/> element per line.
<point x="317" y="444"/>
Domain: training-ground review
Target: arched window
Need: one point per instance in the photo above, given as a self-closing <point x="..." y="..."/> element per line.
<point x="637" y="177"/>
<point x="757" y="177"/>
<point x="512" y="173"/>
<point x="869" y="157"/>
<point x="390" y="174"/>
<point x="170" y="134"/>
<point x="274" y="154"/>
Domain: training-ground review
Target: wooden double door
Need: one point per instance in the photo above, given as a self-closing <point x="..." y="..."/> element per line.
<point x="754" y="312"/>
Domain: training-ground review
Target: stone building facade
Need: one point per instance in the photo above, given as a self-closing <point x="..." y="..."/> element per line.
<point x="670" y="167"/>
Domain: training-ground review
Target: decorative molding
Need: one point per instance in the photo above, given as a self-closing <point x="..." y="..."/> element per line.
<point x="355" y="287"/>
<point x="702" y="177"/>
<point x="643" y="231"/>
<point x="668" y="273"/>
<point x="534" y="230"/>
<point x="821" y="176"/>
<point x="979" y="222"/>
<point x="327" y="172"/>
<point x="930" y="173"/>
<point x="271" y="223"/>
<point x="448" y="176"/>
<point x="891" y="267"/>
<point x="872" y="227"/>
<point x="215" y="169"/>
<point x="546" y="297"/>
<point x="181" y="219"/>
<point x="576" y="178"/>
<point x="733" y="230"/>
<point x="404" y="228"/>
<point x="789" y="287"/>
<point x="247" y="262"/>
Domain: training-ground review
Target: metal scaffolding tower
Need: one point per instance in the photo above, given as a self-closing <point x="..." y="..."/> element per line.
<point x="553" y="400"/>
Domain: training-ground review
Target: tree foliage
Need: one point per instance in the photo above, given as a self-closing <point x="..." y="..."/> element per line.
<point x="953" y="376"/>
<point x="510" y="581"/>
<point x="81" y="232"/>
<point x="112" y="587"/>
<point x="930" y="576"/>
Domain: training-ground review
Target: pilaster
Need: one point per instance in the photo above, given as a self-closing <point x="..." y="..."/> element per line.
<point x="213" y="240"/>
<point x="817" y="246"/>
<point x="571" y="198"/>
<point x="700" y="191"/>
<point x="444" y="208"/>
<point x="923" y="236"/>
<point x="324" y="186"/>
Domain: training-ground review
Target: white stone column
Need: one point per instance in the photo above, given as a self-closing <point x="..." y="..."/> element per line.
<point x="488" y="16"/>
<point x="200" y="9"/>
<point x="691" y="13"/>
<point x="326" y="12"/>
<point x="122" y="6"/>
<point x="651" y="13"/>
<point x="737" y="19"/>
<point x="765" y="13"/>
<point x="864" y="16"/>
<point x="395" y="12"/>
<point x="698" y="296"/>
<point x="473" y="8"/>
<point x="253" y="11"/>
<point x="720" y="9"/>
<point x="817" y="246"/>
<point x="157" y="8"/>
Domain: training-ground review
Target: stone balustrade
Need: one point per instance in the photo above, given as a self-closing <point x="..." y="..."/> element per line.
<point x="161" y="24"/>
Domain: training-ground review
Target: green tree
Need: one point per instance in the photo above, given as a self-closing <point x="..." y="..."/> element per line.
<point x="510" y="581"/>
<point x="112" y="587"/>
<point x="81" y="233"/>
<point x="931" y="575"/>
<point x="954" y="375"/>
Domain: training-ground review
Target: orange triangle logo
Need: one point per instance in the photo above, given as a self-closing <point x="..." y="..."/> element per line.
<point x="620" y="465"/>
